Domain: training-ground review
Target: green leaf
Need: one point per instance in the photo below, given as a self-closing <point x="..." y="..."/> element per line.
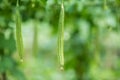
<point x="17" y="74"/>
<point x="2" y="41"/>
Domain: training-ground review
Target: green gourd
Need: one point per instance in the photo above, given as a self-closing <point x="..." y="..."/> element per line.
<point x="105" y="5"/>
<point x="33" y="3"/>
<point x="61" y="37"/>
<point x="19" y="40"/>
<point x="35" y="38"/>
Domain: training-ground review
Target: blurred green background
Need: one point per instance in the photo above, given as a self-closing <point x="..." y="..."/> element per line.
<point x="91" y="40"/>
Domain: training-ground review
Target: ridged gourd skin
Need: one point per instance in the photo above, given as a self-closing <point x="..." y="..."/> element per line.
<point x="61" y="37"/>
<point x="19" y="40"/>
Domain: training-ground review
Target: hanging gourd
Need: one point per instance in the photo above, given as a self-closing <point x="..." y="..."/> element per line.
<point x="33" y="3"/>
<point x="105" y="5"/>
<point x="19" y="40"/>
<point x="61" y="37"/>
<point x="117" y="15"/>
<point x="35" y="38"/>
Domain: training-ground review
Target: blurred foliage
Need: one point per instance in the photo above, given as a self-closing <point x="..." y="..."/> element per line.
<point x="91" y="36"/>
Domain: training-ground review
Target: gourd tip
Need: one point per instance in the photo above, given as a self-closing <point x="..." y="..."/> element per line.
<point x="21" y="60"/>
<point x="33" y="5"/>
<point x="61" y="68"/>
<point x="105" y="7"/>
